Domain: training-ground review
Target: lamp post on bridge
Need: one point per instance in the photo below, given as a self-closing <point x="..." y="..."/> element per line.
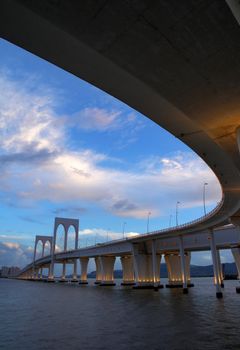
<point x="149" y="213"/>
<point x="108" y="233"/>
<point x="123" y="230"/>
<point x="177" y="204"/>
<point x="170" y="220"/>
<point x="204" y="197"/>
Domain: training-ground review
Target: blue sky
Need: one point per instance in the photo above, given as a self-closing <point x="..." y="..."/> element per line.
<point x="69" y="149"/>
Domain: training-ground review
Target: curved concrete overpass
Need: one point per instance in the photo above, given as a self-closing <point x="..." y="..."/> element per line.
<point x="177" y="62"/>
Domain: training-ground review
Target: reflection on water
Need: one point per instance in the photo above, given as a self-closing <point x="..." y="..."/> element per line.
<point x="57" y="316"/>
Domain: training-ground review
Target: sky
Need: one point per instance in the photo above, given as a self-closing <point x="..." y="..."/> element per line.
<point x="68" y="149"/>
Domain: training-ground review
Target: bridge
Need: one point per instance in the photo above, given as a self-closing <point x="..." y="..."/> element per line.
<point x="175" y="62"/>
<point x="140" y="257"/>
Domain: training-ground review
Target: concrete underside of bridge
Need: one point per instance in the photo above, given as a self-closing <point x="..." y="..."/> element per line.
<point x="177" y="62"/>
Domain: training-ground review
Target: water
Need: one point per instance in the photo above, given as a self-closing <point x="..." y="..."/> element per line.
<point x="63" y="316"/>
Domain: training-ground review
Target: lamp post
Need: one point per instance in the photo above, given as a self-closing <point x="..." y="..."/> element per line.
<point x="123" y="230"/>
<point x="177" y="204"/>
<point x="170" y="220"/>
<point x="204" y="197"/>
<point x="107" y="233"/>
<point x="149" y="213"/>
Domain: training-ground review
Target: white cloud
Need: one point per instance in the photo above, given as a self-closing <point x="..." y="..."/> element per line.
<point x="15" y="237"/>
<point x="37" y="163"/>
<point x="98" y="119"/>
<point x="102" y="235"/>
<point x="27" y="120"/>
<point x="15" y="254"/>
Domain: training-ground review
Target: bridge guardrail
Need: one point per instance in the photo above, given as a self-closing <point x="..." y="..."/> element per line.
<point x="147" y="234"/>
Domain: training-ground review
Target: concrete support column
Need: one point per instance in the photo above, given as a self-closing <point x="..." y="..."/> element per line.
<point x="174" y="268"/>
<point x="217" y="278"/>
<point x="74" y="279"/>
<point x="33" y="274"/>
<point x="143" y="269"/>
<point x="37" y="273"/>
<point x="51" y="271"/>
<point x="34" y="258"/>
<point x="156" y="260"/>
<point x="98" y="270"/>
<point x="107" y="267"/>
<point x="183" y="265"/>
<point x="65" y="239"/>
<point x="43" y="249"/>
<point x="53" y="244"/>
<point x="63" y="277"/>
<point x="220" y="268"/>
<point x="84" y="266"/>
<point x="35" y="250"/>
<point x="135" y="265"/>
<point x="128" y="270"/>
<point x="236" y="256"/>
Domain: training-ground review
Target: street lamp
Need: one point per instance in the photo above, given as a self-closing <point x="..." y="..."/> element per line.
<point x="170" y="220"/>
<point x="204" y="197"/>
<point x="149" y="213"/>
<point x="123" y="230"/>
<point x="177" y="212"/>
<point x="107" y="233"/>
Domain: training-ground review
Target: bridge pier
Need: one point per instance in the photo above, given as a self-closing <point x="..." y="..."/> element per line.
<point x="36" y="274"/>
<point x="236" y="256"/>
<point x="63" y="276"/>
<point x="156" y="261"/>
<point x="33" y="274"/>
<point x="220" y="268"/>
<point x="51" y="272"/>
<point x="146" y="268"/>
<point x="107" y="268"/>
<point x="74" y="279"/>
<point x="98" y="271"/>
<point x="178" y="267"/>
<point x="183" y="266"/>
<point x="216" y="267"/>
<point x="84" y="265"/>
<point x="128" y="270"/>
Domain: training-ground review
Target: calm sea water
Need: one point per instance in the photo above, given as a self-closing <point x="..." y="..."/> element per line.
<point x="57" y="316"/>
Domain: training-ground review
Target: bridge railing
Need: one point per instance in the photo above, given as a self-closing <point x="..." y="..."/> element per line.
<point x="189" y="223"/>
<point x="147" y="234"/>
